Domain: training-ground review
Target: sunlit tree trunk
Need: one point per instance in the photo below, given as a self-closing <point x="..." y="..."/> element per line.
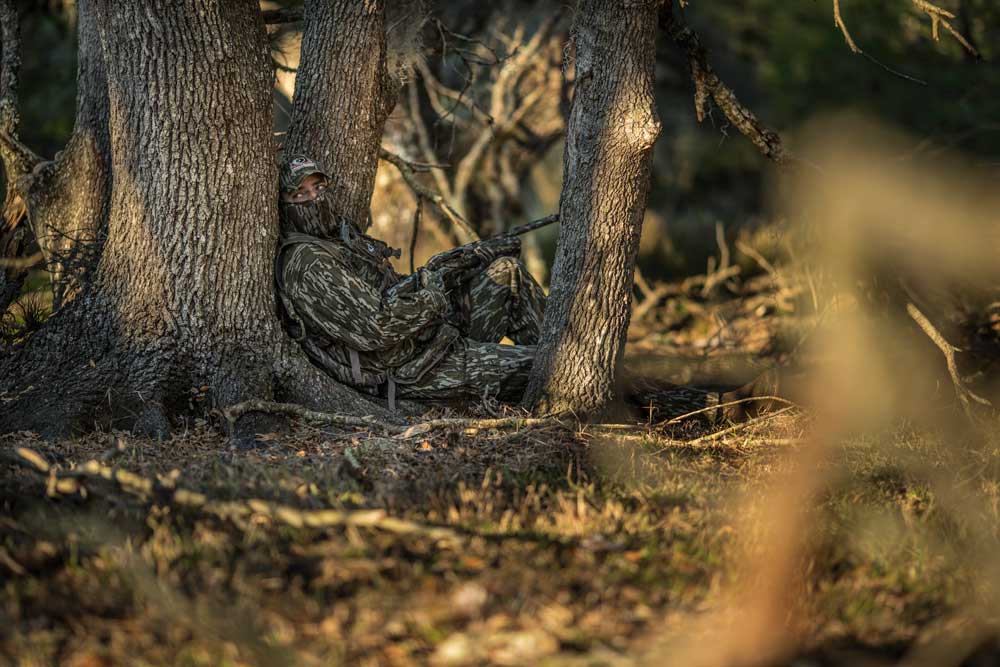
<point x="612" y="128"/>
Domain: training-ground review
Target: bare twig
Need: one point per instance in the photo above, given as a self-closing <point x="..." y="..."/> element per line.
<point x="838" y="21"/>
<point x="724" y="272"/>
<point x="939" y="19"/>
<point x="739" y="427"/>
<point x="423" y="139"/>
<point x="712" y="408"/>
<point x="416" y="230"/>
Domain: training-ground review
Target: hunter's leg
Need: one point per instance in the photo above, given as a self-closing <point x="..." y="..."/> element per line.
<point x="505" y="300"/>
<point x="474" y="371"/>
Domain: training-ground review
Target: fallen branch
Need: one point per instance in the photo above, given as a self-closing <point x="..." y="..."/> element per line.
<point x="69" y="483"/>
<point x="948" y="350"/>
<point x="465" y="423"/>
<point x="233" y="412"/>
<point x="739" y="427"/>
<point x="710" y="408"/>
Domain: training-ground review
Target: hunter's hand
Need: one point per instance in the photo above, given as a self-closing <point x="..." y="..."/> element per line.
<point x="431" y="279"/>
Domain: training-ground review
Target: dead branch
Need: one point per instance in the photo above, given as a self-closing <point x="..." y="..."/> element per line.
<point x="504" y="112"/>
<point x="477" y="424"/>
<point x="435" y="89"/>
<point x="707" y="83"/>
<point x="409" y="175"/>
<point x="424" y="141"/>
<point x="948" y="350"/>
<point x="939" y="19"/>
<point x="70" y="482"/>
<point x="838" y="21"/>
<point x="716" y="276"/>
<point x="650" y="300"/>
<point x="18" y="263"/>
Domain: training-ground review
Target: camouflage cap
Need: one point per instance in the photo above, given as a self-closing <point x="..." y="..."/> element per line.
<point x="295" y="169"/>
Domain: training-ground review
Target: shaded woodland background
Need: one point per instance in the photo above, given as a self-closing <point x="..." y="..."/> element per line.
<point x="786" y="61"/>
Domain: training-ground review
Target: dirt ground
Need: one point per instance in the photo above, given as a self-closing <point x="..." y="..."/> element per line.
<point x="542" y="544"/>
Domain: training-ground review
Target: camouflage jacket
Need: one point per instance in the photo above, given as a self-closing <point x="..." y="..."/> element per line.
<point x="334" y="296"/>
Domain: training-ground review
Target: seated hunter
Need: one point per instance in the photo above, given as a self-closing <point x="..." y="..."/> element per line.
<point x="434" y="334"/>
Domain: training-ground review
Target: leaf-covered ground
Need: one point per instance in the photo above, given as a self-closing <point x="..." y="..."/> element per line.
<point x="572" y="546"/>
<point x="769" y="542"/>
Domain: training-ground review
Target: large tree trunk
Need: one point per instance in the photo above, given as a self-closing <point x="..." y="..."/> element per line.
<point x="344" y="92"/>
<point x="610" y="135"/>
<point x="181" y="309"/>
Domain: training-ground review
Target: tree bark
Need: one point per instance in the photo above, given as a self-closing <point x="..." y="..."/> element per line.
<point x="14" y="238"/>
<point x="181" y="310"/>
<point x="68" y="198"/>
<point x="612" y="127"/>
<point x="344" y="92"/>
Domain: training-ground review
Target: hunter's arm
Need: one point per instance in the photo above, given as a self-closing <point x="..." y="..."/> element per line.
<point x="330" y="297"/>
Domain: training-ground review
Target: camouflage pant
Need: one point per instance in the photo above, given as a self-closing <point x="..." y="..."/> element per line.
<point x="502" y="301"/>
<point x="506" y="301"/>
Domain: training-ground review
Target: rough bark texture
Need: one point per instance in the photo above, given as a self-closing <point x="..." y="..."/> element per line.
<point x="14" y="238"/>
<point x="180" y="312"/>
<point x="68" y="198"/>
<point x="343" y="93"/>
<point x="610" y="135"/>
<point x="181" y="296"/>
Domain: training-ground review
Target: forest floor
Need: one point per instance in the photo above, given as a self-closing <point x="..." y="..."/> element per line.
<point x="549" y="544"/>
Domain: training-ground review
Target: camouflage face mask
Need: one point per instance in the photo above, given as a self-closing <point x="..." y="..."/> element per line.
<point x="312" y="217"/>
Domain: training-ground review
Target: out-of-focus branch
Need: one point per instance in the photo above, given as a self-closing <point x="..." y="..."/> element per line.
<point x="708" y="84"/>
<point x="940" y="18"/>
<point x="505" y="111"/>
<point x="272" y="16"/>
<point x="406" y="170"/>
<point x="21" y="262"/>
